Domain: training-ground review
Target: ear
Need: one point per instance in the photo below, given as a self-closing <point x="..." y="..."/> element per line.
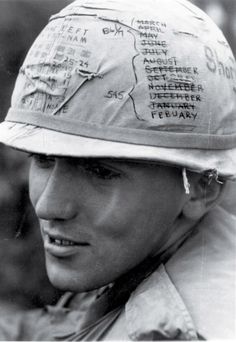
<point x="203" y="196"/>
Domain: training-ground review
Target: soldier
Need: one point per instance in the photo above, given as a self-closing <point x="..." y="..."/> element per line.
<point x="128" y="113"/>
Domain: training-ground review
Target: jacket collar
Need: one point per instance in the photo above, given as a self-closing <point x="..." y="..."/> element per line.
<point x="156" y="311"/>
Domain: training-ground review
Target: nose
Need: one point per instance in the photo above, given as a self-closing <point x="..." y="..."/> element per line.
<point x="55" y="200"/>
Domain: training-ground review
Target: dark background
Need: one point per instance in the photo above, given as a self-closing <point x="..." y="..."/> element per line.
<point x="23" y="281"/>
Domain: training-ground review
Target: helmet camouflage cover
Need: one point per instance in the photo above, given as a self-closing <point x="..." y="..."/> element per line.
<point x="155" y="81"/>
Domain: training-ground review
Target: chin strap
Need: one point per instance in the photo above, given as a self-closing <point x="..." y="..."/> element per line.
<point x="186" y="182"/>
<point x="210" y="175"/>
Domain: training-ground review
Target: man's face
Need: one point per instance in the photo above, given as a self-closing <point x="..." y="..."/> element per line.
<point x="99" y="218"/>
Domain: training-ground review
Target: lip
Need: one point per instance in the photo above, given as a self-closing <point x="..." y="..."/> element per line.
<point x="61" y="246"/>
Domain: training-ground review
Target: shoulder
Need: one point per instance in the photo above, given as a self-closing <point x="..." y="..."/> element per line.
<point x="37" y="324"/>
<point x="18" y="325"/>
<point x="49" y="323"/>
<point x="193" y="294"/>
<point x="204" y="273"/>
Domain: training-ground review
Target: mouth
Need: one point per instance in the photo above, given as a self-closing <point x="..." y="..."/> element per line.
<point x="61" y="246"/>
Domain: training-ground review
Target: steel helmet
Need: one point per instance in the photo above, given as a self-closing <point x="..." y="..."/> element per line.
<point x="150" y="80"/>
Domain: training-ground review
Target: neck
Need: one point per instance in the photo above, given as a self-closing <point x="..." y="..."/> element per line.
<point x="127" y="283"/>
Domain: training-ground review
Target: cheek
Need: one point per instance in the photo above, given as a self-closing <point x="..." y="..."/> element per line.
<point x="128" y="221"/>
<point x="125" y="236"/>
<point x="139" y="219"/>
<point x="37" y="182"/>
<point x="116" y="214"/>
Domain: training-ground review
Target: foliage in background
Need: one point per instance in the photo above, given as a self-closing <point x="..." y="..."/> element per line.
<point x="22" y="272"/>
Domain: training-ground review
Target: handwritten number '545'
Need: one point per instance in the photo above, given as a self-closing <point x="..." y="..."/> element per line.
<point x="115" y="94"/>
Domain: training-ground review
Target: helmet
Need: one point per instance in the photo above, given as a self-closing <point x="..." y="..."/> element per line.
<point x="155" y="81"/>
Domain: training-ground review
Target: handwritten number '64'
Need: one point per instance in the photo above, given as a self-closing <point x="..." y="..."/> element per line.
<point x="115" y="95"/>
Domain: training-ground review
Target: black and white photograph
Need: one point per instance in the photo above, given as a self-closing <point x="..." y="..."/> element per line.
<point x="117" y="170"/>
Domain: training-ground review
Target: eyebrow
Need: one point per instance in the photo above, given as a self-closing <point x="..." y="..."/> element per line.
<point x="130" y="163"/>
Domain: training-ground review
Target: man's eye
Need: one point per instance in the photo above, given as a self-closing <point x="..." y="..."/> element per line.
<point x="42" y="161"/>
<point x="101" y="171"/>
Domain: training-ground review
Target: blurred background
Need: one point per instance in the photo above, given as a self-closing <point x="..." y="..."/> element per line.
<point x="23" y="280"/>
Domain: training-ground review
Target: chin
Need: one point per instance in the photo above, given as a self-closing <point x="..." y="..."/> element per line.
<point x="66" y="279"/>
<point x="61" y="282"/>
